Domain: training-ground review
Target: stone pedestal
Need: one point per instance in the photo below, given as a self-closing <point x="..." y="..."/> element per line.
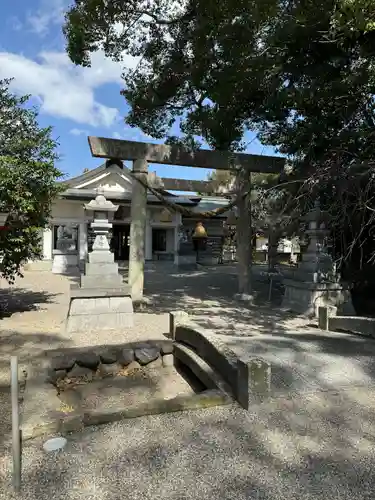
<point x="315" y="282"/>
<point x="305" y="297"/>
<point x="64" y="262"/>
<point x="186" y="257"/>
<point x="100" y="309"/>
<point x="102" y="301"/>
<point x="65" y="257"/>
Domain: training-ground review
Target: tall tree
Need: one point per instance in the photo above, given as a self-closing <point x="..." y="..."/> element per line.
<point x="27" y="181"/>
<point x="299" y="71"/>
<point x="190" y="56"/>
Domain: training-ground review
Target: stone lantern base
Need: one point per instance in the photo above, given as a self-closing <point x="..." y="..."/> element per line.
<point x="102" y="301"/>
<point x="305" y="297"/>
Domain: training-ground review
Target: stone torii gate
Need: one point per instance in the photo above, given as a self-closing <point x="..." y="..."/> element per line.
<point x="144" y="153"/>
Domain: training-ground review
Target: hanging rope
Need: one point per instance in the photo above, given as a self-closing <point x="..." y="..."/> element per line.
<point x="183" y="210"/>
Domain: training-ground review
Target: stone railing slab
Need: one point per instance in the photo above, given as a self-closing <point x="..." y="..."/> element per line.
<point x="200" y="368"/>
<point x="176" y="318"/>
<point x="353" y="324"/>
<point x="82" y="293"/>
<point x="212" y="350"/>
<point x="248" y="380"/>
<point x="361" y="325"/>
<point x="253" y="381"/>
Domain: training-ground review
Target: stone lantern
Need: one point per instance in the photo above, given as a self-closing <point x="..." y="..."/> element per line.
<point x="315" y="282"/>
<point x="103" y="209"/>
<point x="102" y="301"/>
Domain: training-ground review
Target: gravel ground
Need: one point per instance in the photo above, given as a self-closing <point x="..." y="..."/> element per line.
<point x="314" y="439"/>
<point x="317" y="446"/>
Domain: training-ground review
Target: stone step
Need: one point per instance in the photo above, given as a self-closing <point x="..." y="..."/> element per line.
<point x="100" y="305"/>
<point x="101" y="257"/>
<point x="94" y="268"/>
<point x="101" y="281"/>
<point x="99" y="322"/>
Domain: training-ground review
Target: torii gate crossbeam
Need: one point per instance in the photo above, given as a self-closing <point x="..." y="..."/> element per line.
<point x="144" y="153"/>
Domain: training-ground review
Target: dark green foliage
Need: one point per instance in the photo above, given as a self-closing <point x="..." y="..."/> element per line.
<point x="27" y="181"/>
<point x="300" y="72"/>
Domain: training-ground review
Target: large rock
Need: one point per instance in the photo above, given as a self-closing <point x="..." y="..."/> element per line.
<point x="62" y="362"/>
<point x="88" y="360"/>
<point x="126" y="356"/>
<point x="110" y="369"/>
<point x="109" y="356"/>
<point x="144" y="355"/>
<point x="80" y="372"/>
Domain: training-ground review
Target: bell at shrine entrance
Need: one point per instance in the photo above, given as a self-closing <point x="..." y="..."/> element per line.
<point x="199" y="237"/>
<point x="199" y="231"/>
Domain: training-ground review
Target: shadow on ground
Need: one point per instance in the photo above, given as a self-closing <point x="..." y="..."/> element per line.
<point x="315" y="361"/>
<point x="314" y="447"/>
<point x="29" y="348"/>
<point x="15" y="300"/>
<point x="209" y="296"/>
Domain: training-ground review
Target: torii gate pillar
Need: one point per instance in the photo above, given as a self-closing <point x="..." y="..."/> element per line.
<point x="138" y="214"/>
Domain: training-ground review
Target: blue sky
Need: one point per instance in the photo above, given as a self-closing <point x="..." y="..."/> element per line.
<point x="76" y="101"/>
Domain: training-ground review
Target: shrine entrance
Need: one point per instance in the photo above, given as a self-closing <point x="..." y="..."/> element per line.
<point x="120" y="241"/>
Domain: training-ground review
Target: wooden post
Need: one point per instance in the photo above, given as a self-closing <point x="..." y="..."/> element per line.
<point x="16" y="436"/>
<point x="244" y="247"/>
<point x="138" y="214"/>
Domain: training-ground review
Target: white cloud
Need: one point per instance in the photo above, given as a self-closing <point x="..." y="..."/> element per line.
<point x="65" y="90"/>
<point x="78" y="131"/>
<point x="131" y="134"/>
<point x="49" y="15"/>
